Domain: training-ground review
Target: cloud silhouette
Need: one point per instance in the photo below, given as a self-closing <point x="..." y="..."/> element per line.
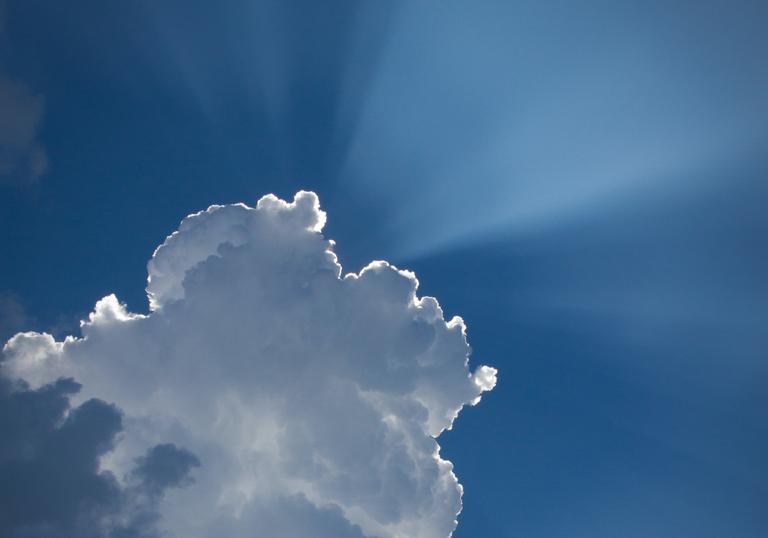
<point x="312" y="398"/>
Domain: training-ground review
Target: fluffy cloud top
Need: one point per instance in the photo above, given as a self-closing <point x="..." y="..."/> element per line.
<point x="310" y="399"/>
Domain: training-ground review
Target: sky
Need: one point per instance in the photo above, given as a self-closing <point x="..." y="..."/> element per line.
<point x="584" y="184"/>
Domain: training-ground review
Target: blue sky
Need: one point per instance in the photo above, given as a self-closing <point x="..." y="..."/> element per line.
<point x="584" y="184"/>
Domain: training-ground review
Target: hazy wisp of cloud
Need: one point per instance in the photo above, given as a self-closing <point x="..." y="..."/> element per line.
<point x="22" y="156"/>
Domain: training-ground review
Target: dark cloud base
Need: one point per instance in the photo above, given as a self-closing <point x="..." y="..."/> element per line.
<point x="50" y="483"/>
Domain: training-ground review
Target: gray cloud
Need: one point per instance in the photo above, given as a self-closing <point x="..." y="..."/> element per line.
<point x="13" y="315"/>
<point x="50" y="481"/>
<point x="288" y="517"/>
<point x="22" y="155"/>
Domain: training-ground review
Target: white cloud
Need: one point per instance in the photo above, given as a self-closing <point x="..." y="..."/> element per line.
<point x="312" y="400"/>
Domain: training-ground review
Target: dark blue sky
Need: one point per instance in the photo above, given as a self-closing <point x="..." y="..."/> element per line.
<point x="596" y="175"/>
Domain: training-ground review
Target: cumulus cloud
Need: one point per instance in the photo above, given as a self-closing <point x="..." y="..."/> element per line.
<point x="311" y="399"/>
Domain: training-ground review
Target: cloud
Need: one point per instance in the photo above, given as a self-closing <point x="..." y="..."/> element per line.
<point x="50" y="483"/>
<point x="22" y="156"/>
<point x="312" y="399"/>
<point x="13" y="315"/>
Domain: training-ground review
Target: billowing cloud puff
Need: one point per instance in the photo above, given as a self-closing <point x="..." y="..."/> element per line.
<point x="311" y="399"/>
